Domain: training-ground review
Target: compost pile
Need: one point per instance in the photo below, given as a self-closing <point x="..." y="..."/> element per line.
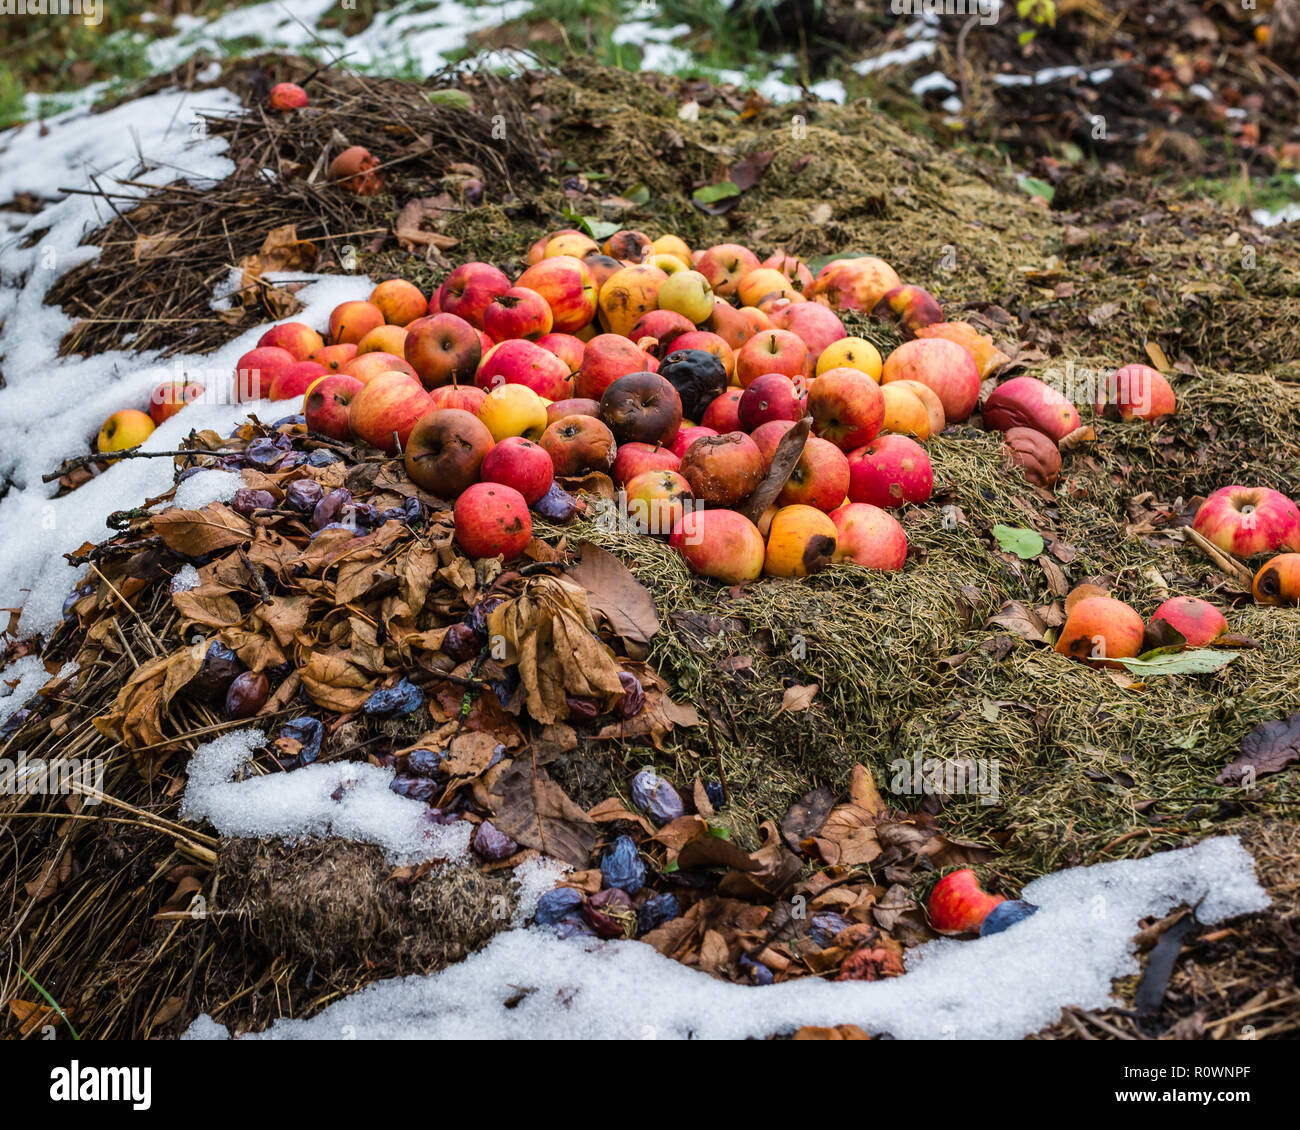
<point x="766" y="759"/>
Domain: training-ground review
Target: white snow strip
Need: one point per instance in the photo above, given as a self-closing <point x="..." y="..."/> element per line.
<point x="534" y="878"/>
<point x="1000" y="987"/>
<point x="302" y="803"/>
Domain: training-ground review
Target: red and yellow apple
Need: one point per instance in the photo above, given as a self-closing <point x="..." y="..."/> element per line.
<point x="942" y="365"/>
<point x="1249" y="520"/>
<point x="1101" y="630"/>
<point x="847" y="407"/>
<point x="492" y="520"/>
<point x="889" y="472"/>
<point x="869" y="536"/>
<point x="801" y="541"/>
<point x="385" y="410"/>
<point x="328" y="403"/>
<point x="721" y="544"/>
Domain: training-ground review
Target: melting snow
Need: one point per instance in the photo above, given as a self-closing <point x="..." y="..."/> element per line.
<point x="1000" y="987"/>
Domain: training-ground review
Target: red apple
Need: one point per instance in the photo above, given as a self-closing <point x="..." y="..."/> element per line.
<point x="492" y="520"/>
<point x="847" y="407"/>
<point x="642" y="408"/>
<point x="287" y="96"/>
<point x="665" y="326"/>
<point x="568" y="288"/>
<point x="767" y="437"/>
<point x="723" y="469"/>
<point x="633" y="459"/>
<point x="725" y="265"/>
<point x="171" y="396"/>
<point x="443" y="349"/>
<point x="721" y="544"/>
<point x="466" y="397"/>
<point x="578" y="444"/>
<point x="958" y="905"/>
<point x="1135" y="392"/>
<point x="385" y="410"/>
<point x="723" y="412"/>
<point x="869" y="536"/>
<point x="257" y="370"/>
<point x="467" y="291"/>
<point x="446" y="450"/>
<point x="889" y="472"/>
<point x="519" y="313"/>
<point x="943" y="365"/>
<point x="770" y="397"/>
<point x="328" y="404"/>
<point x="334" y="357"/>
<point x="817" y="326"/>
<point x="606" y="358"/>
<point x="688" y="436"/>
<point x="566" y="347"/>
<point x="294" y="380"/>
<point x="772" y="351"/>
<point x="1249" y="520"/>
<point x="911" y="307"/>
<point x="300" y="340"/>
<point x="820" y="479"/>
<point x="520" y="463"/>
<point x="524" y="363"/>
<point x="366" y="366"/>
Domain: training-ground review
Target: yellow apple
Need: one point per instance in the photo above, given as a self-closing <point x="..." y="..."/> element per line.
<point x="687" y="293"/>
<point x="513" y="410"/>
<point x="127" y="428"/>
<point x="672" y="245"/>
<point x="851" y="353"/>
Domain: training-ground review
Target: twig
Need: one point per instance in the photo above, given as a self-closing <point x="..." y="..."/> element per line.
<point x="129" y="453"/>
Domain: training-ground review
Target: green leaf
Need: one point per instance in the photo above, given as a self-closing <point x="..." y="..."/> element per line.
<point x="638" y="194"/>
<point x="594" y="226"/>
<point x="1202" y="661"/>
<point x="1025" y="544"/>
<point x="719" y="832"/>
<point x="450" y="97"/>
<point x="1026" y="37"/>
<point x="712" y="193"/>
<point x="1036" y="187"/>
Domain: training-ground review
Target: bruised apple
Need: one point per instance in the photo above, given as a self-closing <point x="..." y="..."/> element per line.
<point x="721" y="544"/>
<point x="1278" y="582"/>
<point x="870" y="536"/>
<point x="1037" y="453"/>
<point x="334" y="357"/>
<point x="910" y="306"/>
<point x="724" y="469"/>
<point x="578" y="444"/>
<point x="930" y="399"/>
<point x="1198" y="621"/>
<point x="445" y="451"/>
<point x="573" y="406"/>
<point x="627" y="295"/>
<point x="513" y="410"/>
<point x="642" y="408"/>
<point x="1100" y="630"/>
<point x="801" y="541"/>
<point x="492" y="520"/>
<point x="519" y="313"/>
<point x="467" y="291"/>
<point x="772" y="396"/>
<point x="1026" y="402"/>
<point x="854" y="284"/>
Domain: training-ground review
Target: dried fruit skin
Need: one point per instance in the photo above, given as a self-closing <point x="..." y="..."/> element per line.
<point x="653" y="794"/>
<point x="558" y="904"/>
<point x="1005" y="915"/>
<point x="247" y="694"/>
<point x="611" y="914"/>
<point x="621" y="866"/>
<point x="633" y="700"/>
<point x="491" y="843"/>
<point x="404" y="698"/>
<point x="656" y="910"/>
<point x="247" y="500"/>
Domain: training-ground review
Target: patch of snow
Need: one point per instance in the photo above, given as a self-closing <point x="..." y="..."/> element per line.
<point x="534" y="878"/>
<point x="935" y="80"/>
<point x="18" y="682"/>
<point x="207" y="486"/>
<point x="303" y="803"/>
<point x="914" y="52"/>
<point x="187" y="579"/>
<point x="1001" y="987"/>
